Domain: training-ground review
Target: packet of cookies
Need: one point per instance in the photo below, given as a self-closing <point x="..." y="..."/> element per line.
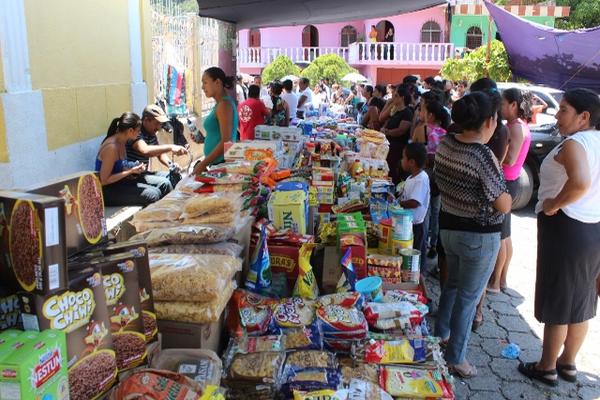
<point x="347" y="299"/>
<point x="248" y="311"/>
<point x="311" y="359"/>
<point x="293" y="312"/>
<point x="303" y="338"/>
<point x="403" y="351"/>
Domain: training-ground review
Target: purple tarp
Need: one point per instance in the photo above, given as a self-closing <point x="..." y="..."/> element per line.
<point x="553" y="57"/>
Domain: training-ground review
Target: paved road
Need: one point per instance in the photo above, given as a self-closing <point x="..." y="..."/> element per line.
<point x="509" y="318"/>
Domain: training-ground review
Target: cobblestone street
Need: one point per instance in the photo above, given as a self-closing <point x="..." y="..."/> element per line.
<point x="508" y="317"/>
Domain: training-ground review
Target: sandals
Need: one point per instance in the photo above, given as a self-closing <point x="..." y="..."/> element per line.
<point x="567" y="371"/>
<point x="476" y="324"/>
<point x="491" y="290"/>
<point x="467" y="373"/>
<point x="530" y="370"/>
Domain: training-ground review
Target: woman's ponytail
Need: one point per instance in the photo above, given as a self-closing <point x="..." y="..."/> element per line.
<point x="126" y="121"/>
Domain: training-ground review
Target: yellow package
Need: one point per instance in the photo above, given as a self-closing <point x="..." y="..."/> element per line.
<point x="288" y="210"/>
<point x="397" y="352"/>
<point x="306" y="284"/>
<point x="316" y="395"/>
<point x="212" y="393"/>
<point x="410" y="382"/>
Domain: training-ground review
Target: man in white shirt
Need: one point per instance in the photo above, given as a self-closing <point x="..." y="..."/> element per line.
<point x="240" y="90"/>
<point x="305" y="95"/>
<point x="263" y="91"/>
<point x="290" y="97"/>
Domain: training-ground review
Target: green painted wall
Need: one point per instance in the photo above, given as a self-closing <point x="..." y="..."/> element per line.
<point x="461" y="23"/>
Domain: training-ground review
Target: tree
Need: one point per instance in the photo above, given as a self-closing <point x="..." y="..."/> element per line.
<point x="280" y="67"/>
<point x="329" y="66"/>
<point x="474" y="66"/>
<point x="584" y="14"/>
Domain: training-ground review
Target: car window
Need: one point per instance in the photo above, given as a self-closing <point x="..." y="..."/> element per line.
<point x="557" y="96"/>
<point x="547" y="99"/>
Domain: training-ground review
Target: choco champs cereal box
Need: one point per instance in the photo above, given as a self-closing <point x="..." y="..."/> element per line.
<point x="81" y="313"/>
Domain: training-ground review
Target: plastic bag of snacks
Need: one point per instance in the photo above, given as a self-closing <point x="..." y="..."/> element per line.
<point x="220" y="177"/>
<point x="342" y="322"/>
<point x="203" y="366"/>
<point x="377" y="311"/>
<point x="346" y="299"/>
<point x="162" y="210"/>
<point x="256" y="344"/>
<point x="303" y="338"/>
<point x="200" y="313"/>
<point x="310" y="379"/>
<point x="413" y="383"/>
<point x="362" y="390"/>
<point x="237" y="167"/>
<point x="306" y="284"/>
<point x="262" y="367"/>
<point x="249" y="313"/>
<point x="187" y="234"/>
<point x="157" y="384"/>
<point x="293" y="312"/>
<point x="403" y="351"/>
<point x="396" y="296"/>
<point x="222" y="248"/>
<point x="347" y="281"/>
<point x="183" y="277"/>
<point x="311" y="359"/>
<point x="328" y="394"/>
<point x="361" y="371"/>
<point x="259" y="277"/>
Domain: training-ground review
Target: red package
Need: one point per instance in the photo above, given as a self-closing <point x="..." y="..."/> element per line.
<point x="157" y="384"/>
<point x="240" y="300"/>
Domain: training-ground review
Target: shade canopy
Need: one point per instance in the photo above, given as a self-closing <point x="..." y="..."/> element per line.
<point x="266" y="13"/>
<point x="553" y="57"/>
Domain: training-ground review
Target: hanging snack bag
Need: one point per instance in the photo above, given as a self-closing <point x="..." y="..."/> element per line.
<point x="306" y="285"/>
<point x="259" y="276"/>
<point x="347" y="281"/>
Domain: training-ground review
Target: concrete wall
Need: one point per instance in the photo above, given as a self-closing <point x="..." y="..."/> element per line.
<point x="68" y="67"/>
<point x="462" y="23"/>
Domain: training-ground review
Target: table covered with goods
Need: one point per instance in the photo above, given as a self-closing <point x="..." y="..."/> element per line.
<point x="287" y="272"/>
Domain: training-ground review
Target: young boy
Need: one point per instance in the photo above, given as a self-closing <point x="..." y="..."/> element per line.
<point x="415" y="192"/>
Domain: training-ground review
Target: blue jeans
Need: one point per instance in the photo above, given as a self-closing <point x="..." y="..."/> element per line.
<point x="434" y="220"/>
<point x="470" y="257"/>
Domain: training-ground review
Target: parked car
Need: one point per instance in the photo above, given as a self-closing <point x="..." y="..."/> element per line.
<point x="550" y="96"/>
<point x="544" y="137"/>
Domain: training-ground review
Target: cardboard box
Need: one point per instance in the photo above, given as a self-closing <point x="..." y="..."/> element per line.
<point x="238" y="150"/>
<point x="85" y="222"/>
<point x="10" y="312"/>
<point x="332" y="270"/>
<point x="32" y="246"/>
<point x="81" y="313"/>
<point x="288" y="210"/>
<point x="121" y="287"/>
<point x="269" y="132"/>
<point x="139" y="249"/>
<point x="11" y="340"/>
<point x="352" y="233"/>
<point x="185" y="335"/>
<point x="37" y="369"/>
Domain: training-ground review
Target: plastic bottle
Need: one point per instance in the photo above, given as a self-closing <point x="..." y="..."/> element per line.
<point x="357" y="169"/>
<point x="194" y="131"/>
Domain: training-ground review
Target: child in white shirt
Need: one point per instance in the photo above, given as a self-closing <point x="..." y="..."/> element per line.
<point x="415" y="192"/>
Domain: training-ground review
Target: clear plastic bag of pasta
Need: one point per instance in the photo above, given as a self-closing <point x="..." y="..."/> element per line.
<point x="222" y="248"/>
<point x="187" y="234"/>
<point x="213" y="203"/>
<point x="199" y="313"/>
<point x="195" y="278"/>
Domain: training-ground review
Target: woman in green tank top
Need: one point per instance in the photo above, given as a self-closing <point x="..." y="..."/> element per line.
<point x="222" y="122"/>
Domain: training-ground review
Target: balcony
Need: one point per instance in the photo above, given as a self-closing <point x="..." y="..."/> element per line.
<point x="364" y="53"/>
<point x="361" y="53"/>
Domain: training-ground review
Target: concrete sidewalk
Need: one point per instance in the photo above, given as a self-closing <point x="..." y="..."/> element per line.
<point x="508" y="317"/>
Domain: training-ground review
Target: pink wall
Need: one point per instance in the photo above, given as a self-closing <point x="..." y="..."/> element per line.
<point x="407" y="29"/>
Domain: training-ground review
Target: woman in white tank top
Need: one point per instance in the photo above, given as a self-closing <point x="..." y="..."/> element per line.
<point x="568" y="259"/>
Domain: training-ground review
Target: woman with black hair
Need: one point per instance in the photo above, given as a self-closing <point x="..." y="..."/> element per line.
<point x="474" y="200"/>
<point x="122" y="181"/>
<point x="222" y="122"/>
<point x="280" y="112"/>
<point x="568" y="254"/>
<point x="396" y="118"/>
<point x="516" y="110"/>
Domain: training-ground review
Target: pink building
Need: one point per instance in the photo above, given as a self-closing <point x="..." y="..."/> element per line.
<point x="416" y="43"/>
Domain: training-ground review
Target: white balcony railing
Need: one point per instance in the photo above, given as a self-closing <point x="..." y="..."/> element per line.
<point x="261" y="56"/>
<point x="399" y="53"/>
<point x="361" y="53"/>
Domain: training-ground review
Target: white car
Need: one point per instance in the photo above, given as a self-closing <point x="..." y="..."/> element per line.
<point x="550" y="96"/>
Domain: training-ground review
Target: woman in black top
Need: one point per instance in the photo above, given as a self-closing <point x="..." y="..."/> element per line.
<point x="396" y="118"/>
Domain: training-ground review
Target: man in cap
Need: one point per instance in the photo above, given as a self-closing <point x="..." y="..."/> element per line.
<point x="146" y="145"/>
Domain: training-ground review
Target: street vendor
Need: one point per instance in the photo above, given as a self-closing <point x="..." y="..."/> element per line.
<point x="146" y="145"/>
<point x="222" y="122"/>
